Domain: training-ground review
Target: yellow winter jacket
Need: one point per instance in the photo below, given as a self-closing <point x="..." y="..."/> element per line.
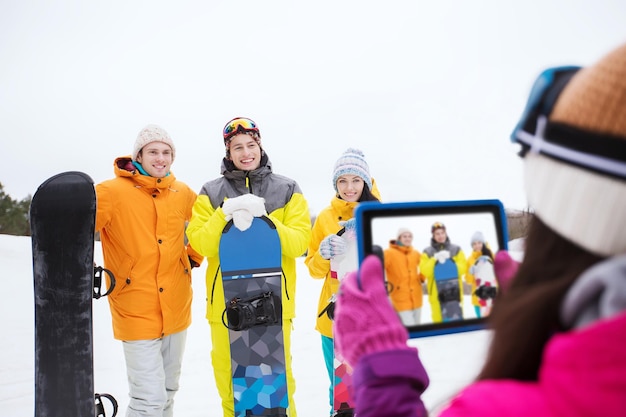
<point x="402" y="269"/>
<point x="469" y="277"/>
<point x="286" y="207"/>
<point x="327" y="223"/>
<point x="141" y="220"/>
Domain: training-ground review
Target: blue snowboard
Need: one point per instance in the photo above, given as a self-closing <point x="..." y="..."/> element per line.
<point x="448" y="290"/>
<point x="252" y="277"/>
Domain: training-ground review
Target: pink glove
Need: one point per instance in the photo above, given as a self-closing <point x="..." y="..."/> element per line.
<point x="365" y="322"/>
<point x="505" y="268"/>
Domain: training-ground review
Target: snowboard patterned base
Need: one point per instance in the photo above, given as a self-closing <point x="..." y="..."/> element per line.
<point x="251" y="265"/>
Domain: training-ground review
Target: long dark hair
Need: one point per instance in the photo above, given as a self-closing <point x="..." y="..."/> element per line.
<point x="367" y="195"/>
<point x="485" y="251"/>
<point x="525" y="317"/>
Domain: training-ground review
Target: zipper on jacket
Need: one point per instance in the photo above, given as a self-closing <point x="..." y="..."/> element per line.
<point x="214" y="281"/>
<point x="248" y="183"/>
<point x="285" y="280"/>
<point x="431" y="286"/>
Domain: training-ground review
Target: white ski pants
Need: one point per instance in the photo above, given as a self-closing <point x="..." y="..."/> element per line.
<point x="411" y="317"/>
<point x="153" y="370"/>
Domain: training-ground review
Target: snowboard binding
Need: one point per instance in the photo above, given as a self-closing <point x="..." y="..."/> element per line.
<point x="344" y="412"/>
<point x="260" y="310"/>
<point x="100" y="407"/>
<point x="486" y="292"/>
<point x="97" y="282"/>
<point x="450" y="294"/>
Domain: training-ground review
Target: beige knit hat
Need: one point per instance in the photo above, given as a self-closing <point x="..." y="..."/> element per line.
<point x="575" y="161"/>
<point x="149" y="134"/>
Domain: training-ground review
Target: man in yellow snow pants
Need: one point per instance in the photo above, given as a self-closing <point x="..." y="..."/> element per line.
<point x="220" y="358"/>
<point x="248" y="188"/>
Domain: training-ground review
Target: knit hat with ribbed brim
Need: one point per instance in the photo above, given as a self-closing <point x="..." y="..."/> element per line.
<point x="352" y="162"/>
<point x="477" y="237"/>
<point x="149" y="134"/>
<point x="402" y="231"/>
<point x="584" y="205"/>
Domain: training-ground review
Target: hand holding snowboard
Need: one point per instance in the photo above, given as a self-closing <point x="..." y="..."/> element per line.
<point x="332" y="245"/>
<point x="243" y="209"/>
<point x="442" y="256"/>
<point x="349" y="225"/>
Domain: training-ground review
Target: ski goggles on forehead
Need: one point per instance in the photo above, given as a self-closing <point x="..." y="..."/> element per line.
<point x="437" y="225"/>
<point x="602" y="153"/>
<point x="240" y="124"/>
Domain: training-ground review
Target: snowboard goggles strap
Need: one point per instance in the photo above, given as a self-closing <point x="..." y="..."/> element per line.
<point x="239" y="124"/>
<point x="602" y="153"/>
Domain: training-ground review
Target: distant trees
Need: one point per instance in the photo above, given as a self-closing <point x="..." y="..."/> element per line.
<point x="14" y="215"/>
<point x="14" y="218"/>
<point x="518" y="222"/>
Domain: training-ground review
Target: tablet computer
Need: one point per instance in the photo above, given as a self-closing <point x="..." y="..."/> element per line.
<point x="457" y="284"/>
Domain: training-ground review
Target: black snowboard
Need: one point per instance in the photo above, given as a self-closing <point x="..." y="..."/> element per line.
<point x="62" y="221"/>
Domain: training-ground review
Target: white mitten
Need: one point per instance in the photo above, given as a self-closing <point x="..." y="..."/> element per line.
<point x="331" y="246"/>
<point x="242" y="219"/>
<point x="253" y="204"/>
<point x="442" y="256"/>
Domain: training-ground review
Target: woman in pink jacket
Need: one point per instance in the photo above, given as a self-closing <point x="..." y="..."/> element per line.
<point x="559" y="327"/>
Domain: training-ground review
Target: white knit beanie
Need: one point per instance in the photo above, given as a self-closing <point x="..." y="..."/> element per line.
<point x="402" y="231"/>
<point x="352" y="162"/>
<point x="149" y="134"/>
<point x="477" y="237"/>
<point x="586" y="205"/>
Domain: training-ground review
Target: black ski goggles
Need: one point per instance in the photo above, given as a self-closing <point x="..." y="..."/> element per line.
<point x="602" y="153"/>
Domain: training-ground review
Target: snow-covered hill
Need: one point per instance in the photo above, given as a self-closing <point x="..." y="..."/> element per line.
<point x="451" y="360"/>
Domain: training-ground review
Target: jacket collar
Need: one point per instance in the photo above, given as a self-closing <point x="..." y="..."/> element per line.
<point x="229" y="170"/>
<point x="123" y="166"/>
<point x="344" y="209"/>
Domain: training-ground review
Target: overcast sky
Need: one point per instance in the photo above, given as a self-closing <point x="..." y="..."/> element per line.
<point x="429" y="90"/>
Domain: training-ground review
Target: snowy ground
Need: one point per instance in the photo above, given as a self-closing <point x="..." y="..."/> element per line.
<point x="450" y="360"/>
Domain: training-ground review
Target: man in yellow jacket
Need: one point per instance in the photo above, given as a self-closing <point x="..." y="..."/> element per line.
<point x="440" y="250"/>
<point x="141" y="217"/>
<point x="248" y="188"/>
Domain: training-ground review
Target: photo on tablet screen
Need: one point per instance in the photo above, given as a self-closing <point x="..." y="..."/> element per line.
<point x="438" y="259"/>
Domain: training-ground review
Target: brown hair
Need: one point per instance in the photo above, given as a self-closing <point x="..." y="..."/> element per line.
<point x="527" y="314"/>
